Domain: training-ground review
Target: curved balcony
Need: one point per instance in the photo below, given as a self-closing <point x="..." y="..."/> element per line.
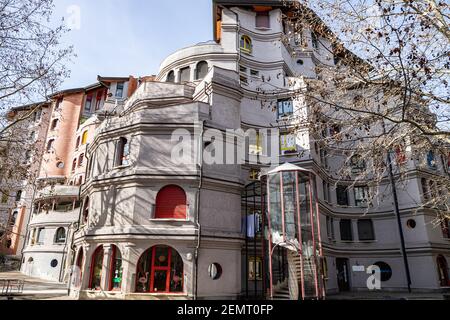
<point x="58" y="191"/>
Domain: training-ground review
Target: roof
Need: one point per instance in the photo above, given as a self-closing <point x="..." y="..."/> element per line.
<point x="288" y="167"/>
<point x="29" y="106"/>
<point x="64" y="92"/>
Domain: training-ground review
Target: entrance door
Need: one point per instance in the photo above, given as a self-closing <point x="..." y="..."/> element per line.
<point x="342" y="274"/>
<point x="443" y="271"/>
<point x="160" y="276"/>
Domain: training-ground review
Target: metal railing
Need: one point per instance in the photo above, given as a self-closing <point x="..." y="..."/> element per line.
<point x="11" y="288"/>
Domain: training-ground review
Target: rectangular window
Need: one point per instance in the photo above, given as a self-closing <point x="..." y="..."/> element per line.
<point x="263" y="19"/>
<point x="288" y="144"/>
<point x="342" y="195"/>
<point x="119" y="89"/>
<point x="254" y="73"/>
<point x="365" y="230"/>
<point x="255" y="144"/>
<point x="98" y="100"/>
<point x="88" y="103"/>
<point x="330" y="228"/>
<point x="254" y="268"/>
<point x="346" y="230"/>
<point x="431" y="160"/>
<point x="445" y="225"/>
<point x="314" y="40"/>
<point x="285" y="108"/>
<point x="361" y="196"/>
<point x="185" y="74"/>
<point x="41" y="236"/>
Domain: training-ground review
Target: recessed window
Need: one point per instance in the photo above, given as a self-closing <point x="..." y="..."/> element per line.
<point x="346" y="230"/>
<point x="262" y="19"/>
<point x="60" y="236"/>
<point x="50" y="145"/>
<point x="81" y="160"/>
<point x="119" y="89"/>
<point x="185" y="74"/>
<point x="74" y="165"/>
<point x="116" y="270"/>
<point x="385" y="270"/>
<point x="123" y="152"/>
<point x="160" y="270"/>
<point x="171" y="203"/>
<point x="361" y="196"/>
<point x="54" y="124"/>
<point x="300" y="62"/>
<point x="170" y="77"/>
<point x="60" y="165"/>
<point x="285" y="108"/>
<point x="358" y="164"/>
<point x="431" y="160"/>
<point x="19" y="195"/>
<point x="246" y="44"/>
<point x="342" y="195"/>
<point x="96" y="269"/>
<point x="201" y="70"/>
<point x="84" y="137"/>
<point x="288" y="144"/>
<point x="445" y="226"/>
<point x="54" y="263"/>
<point x="411" y="223"/>
<point x="314" y="40"/>
<point x="365" y="230"/>
<point x="86" y="210"/>
<point x="215" y="271"/>
<point x="88" y="103"/>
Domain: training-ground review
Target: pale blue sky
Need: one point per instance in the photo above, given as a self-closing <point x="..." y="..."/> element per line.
<point x="131" y="37"/>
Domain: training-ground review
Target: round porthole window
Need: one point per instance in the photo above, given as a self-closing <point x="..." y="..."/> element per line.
<point x="411" y="223"/>
<point x="215" y="271"/>
<point x="60" y="165"/>
<point x="385" y="270"/>
<point x="54" y="263"/>
<point x="300" y="62"/>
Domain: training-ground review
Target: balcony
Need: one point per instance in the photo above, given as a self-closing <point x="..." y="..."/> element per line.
<point x="58" y="191"/>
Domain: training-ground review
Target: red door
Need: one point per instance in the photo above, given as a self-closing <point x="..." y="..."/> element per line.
<point x="160" y="276"/>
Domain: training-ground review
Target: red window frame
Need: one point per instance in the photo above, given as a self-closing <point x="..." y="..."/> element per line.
<point x="169" y="206"/>
<point x="94" y="255"/>
<point x="111" y="270"/>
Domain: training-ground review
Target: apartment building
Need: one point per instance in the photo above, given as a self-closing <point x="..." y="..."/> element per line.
<point x="74" y="116"/>
<point x="138" y="222"/>
<point x="27" y="135"/>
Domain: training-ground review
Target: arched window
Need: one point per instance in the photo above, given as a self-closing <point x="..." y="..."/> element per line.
<point x="123" y="152"/>
<point x="74" y="165"/>
<point x="80" y="160"/>
<point x="14" y="218"/>
<point x="77" y="145"/>
<point x="54" y="124"/>
<point x="96" y="269"/>
<point x="115" y="282"/>
<point x="84" y="138"/>
<point x="60" y="236"/>
<point x="86" y="210"/>
<point x="79" y="264"/>
<point x="246" y="44"/>
<point x="50" y="145"/>
<point x="160" y="270"/>
<point x="171" y="203"/>
<point x="19" y="195"/>
<point x="201" y="70"/>
<point x="443" y="271"/>
<point x="171" y="76"/>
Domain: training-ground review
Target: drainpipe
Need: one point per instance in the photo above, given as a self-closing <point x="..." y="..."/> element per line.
<point x="197" y="205"/>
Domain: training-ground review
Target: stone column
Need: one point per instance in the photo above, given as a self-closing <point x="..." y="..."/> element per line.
<point x="129" y="261"/>
<point x="86" y="268"/>
<point x="106" y="267"/>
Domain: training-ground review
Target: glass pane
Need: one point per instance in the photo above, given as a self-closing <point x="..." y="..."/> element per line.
<point x="176" y="273"/>
<point x="160" y="281"/>
<point x="161" y="257"/>
<point x="97" y="273"/>
<point x="290" y="207"/>
<point x="143" y="273"/>
<point x="117" y="271"/>
<point x="275" y="206"/>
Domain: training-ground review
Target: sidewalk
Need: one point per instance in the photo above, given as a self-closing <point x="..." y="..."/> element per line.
<point x="37" y="289"/>
<point x="386" y="295"/>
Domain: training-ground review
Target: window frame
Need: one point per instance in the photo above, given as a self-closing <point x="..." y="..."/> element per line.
<point x="246" y="44"/>
<point x="361" y="235"/>
<point x="342" y="224"/>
